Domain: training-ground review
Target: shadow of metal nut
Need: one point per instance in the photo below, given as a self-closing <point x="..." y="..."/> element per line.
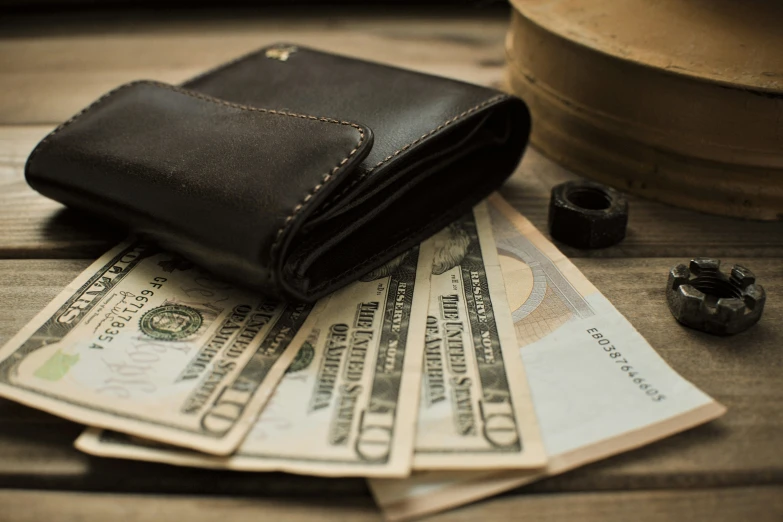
<point x="702" y="297"/>
<point x="584" y="214"/>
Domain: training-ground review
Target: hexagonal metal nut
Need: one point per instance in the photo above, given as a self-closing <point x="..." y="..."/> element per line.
<point x="585" y="214"/>
<point x="702" y="297"/>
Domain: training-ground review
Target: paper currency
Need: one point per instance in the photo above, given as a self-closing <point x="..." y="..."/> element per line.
<point x="475" y="410"/>
<point x="146" y="343"/>
<point x="347" y="405"/>
<point x="599" y="388"/>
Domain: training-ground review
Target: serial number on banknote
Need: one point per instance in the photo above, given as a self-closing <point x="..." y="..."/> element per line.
<point x="130" y="305"/>
<point x="624" y="365"/>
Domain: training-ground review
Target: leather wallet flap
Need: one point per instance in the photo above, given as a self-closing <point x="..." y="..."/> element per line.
<point x="407" y="110"/>
<point x="161" y="158"/>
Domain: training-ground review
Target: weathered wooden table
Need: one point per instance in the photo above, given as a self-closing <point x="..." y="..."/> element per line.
<point x="731" y="469"/>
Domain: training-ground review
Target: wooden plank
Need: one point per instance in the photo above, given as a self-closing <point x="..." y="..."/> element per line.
<point x="35" y="226"/>
<point x="760" y="504"/>
<point x="654" y="229"/>
<point x="26" y="287"/>
<point x="30" y="506"/>
<point x="743" y="372"/>
<point x="48" y="74"/>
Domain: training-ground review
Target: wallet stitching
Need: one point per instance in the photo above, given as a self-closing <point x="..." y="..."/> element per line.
<point x="419" y="139"/>
<point x="361" y="176"/>
<point x="289" y="220"/>
<point x="439" y="127"/>
<point x="324" y="180"/>
<point x="76" y="116"/>
<point x="206" y="98"/>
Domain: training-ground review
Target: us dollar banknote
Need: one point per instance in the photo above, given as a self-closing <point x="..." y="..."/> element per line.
<point x="146" y="343"/>
<point x="476" y="411"/>
<point x="598" y="386"/>
<point x="347" y="404"/>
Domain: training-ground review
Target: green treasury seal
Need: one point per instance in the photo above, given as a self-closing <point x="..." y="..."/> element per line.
<point x="171" y="322"/>
<point x="303" y="358"/>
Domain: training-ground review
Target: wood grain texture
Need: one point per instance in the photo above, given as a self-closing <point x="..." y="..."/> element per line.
<point x="760" y="504"/>
<point x="742" y="372"/>
<point x="29" y="506"/>
<point x="48" y="74"/>
<point x="34" y="226"/>
<point x="654" y="229"/>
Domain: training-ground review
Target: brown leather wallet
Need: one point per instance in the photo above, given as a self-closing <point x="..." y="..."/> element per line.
<point x="288" y="170"/>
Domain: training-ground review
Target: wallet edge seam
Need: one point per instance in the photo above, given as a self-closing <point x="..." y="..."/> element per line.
<point x="495" y="99"/>
<point x="72" y="119"/>
<point x="329" y="175"/>
<point x="192" y="94"/>
<point x="443" y="125"/>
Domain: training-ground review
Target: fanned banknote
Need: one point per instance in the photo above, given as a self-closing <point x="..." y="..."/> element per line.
<point x="475" y="410"/>
<point x="146" y="343"/>
<point x="347" y="405"/>
<point x="599" y="388"/>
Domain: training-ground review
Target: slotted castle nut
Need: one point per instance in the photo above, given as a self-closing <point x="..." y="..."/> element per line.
<point x="704" y="298"/>
<point x="584" y="214"/>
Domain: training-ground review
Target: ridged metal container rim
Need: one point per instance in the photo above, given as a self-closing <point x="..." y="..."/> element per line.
<point x="677" y="138"/>
<point x="562" y="17"/>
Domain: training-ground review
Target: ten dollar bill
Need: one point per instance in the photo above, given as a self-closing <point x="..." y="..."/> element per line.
<point x="347" y="405"/>
<point x="475" y="411"/>
<point x="146" y="343"/>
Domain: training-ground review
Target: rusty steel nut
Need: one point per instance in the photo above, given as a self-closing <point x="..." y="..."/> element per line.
<point x="584" y="214"/>
<point x="704" y="298"/>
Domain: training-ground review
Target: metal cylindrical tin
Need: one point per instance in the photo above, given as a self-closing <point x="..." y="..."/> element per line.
<point x="681" y="102"/>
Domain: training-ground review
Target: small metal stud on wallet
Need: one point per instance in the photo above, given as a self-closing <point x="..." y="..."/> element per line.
<point x="291" y="170"/>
